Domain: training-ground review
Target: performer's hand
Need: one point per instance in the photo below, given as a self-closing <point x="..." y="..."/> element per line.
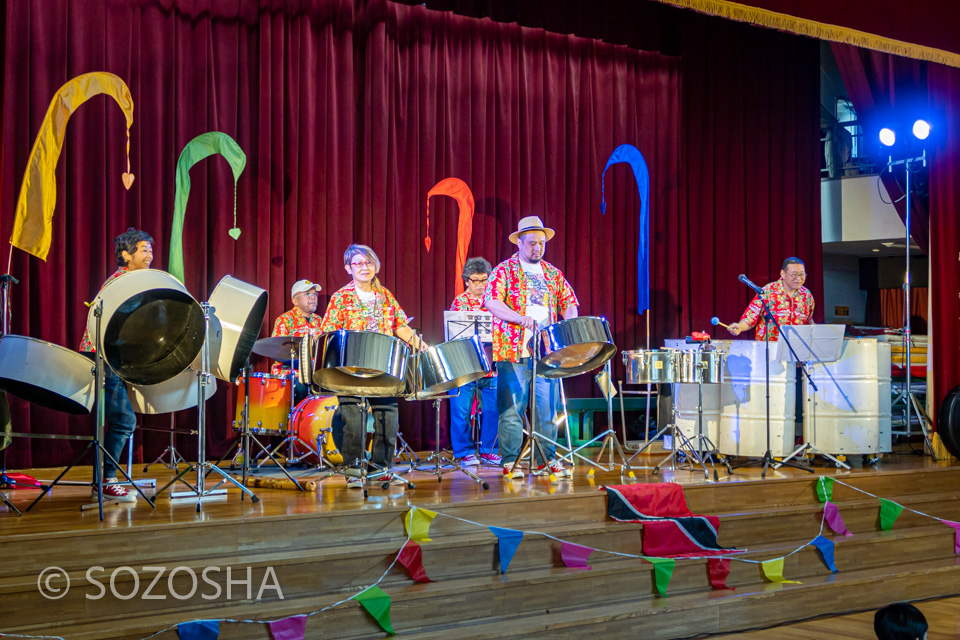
<point x="735" y="329"/>
<point x="528" y="323"/>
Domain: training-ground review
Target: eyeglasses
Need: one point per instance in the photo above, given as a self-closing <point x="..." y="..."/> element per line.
<point x="795" y="275"/>
<point x="361" y="265"/>
<point x="475" y="281"/>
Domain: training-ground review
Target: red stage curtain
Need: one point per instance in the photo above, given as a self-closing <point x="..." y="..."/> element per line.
<point x="349" y="111"/>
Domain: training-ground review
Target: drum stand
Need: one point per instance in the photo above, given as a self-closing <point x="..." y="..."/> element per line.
<point x="710" y="451"/>
<point x="96" y="442"/>
<point x="681" y="446"/>
<point x="203" y="467"/>
<point x="438" y="454"/>
<point x="363" y="464"/>
<point x="171" y="450"/>
<point x="404" y="450"/>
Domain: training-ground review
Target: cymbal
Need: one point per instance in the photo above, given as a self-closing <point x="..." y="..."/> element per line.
<point x="278" y="347"/>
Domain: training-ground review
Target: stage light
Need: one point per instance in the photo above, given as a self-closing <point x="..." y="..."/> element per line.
<point x="887" y="137"/>
<point x="921" y="129"/>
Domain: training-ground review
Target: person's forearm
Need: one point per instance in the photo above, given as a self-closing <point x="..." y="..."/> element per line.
<point x="500" y="309"/>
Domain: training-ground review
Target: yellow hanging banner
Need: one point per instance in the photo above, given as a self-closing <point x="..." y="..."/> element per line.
<point x="32" y="226"/>
<point x="417" y="523"/>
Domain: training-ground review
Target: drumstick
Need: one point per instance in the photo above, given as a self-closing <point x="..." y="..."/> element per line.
<point x="716" y="321"/>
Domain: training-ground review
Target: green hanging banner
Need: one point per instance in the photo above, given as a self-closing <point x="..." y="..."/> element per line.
<point x="377" y="603"/>
<point x="203" y="146"/>
<point x="825" y="489"/>
<point x="889" y="512"/>
<point x="662" y="572"/>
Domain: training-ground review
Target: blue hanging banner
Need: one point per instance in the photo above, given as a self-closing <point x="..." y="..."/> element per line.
<point x="632" y="156"/>
<point x="825" y="547"/>
<point x="509" y="540"/>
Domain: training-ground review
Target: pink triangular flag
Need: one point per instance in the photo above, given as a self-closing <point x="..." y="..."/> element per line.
<point x="291" y="628"/>
<point x="956" y="528"/>
<point x="832" y="515"/>
<point x="575" y="555"/>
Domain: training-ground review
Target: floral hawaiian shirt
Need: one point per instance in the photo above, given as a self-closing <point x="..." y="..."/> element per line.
<point x="86" y="344"/>
<point x="789" y="311"/>
<point x="508" y="283"/>
<point x="293" y="323"/>
<point x="346" y="311"/>
<point x="466" y="302"/>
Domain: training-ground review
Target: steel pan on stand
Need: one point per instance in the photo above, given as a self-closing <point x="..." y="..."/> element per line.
<point x="362" y="363"/>
<point x="571" y="347"/>
<point x="651" y="366"/>
<point x="237" y="312"/>
<point x="47" y="374"/>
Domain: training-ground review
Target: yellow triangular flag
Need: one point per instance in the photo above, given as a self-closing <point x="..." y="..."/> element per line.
<point x="773" y="571"/>
<point x="417" y="523"/>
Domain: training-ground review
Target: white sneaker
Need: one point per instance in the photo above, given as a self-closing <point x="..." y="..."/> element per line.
<point x="354" y="482"/>
<point x="554" y="468"/>
<point x="469" y="461"/>
<point x="491" y="458"/>
<point x="512" y="471"/>
<point x="113" y="492"/>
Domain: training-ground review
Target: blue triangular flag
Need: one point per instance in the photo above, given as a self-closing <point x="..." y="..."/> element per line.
<point x="199" y="630"/>
<point x="632" y="156"/>
<point x="825" y="547"/>
<point x="509" y="540"/>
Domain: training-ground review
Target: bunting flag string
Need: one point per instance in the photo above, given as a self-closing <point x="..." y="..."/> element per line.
<point x="825" y="547"/>
<point x="292" y="628"/>
<point x="417" y="522"/>
<point x="832" y="515"/>
<point x="377" y="603"/>
<point x="411" y="557"/>
<point x="575" y="556"/>
<point x="199" y="630"/>
<point x="772" y="570"/>
<point x="825" y="489"/>
<point x="718" y="570"/>
<point x="662" y="572"/>
<point x="956" y="528"/>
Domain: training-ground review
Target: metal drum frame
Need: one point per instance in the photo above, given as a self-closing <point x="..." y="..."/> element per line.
<point x="363" y="363"/>
<point x="47" y="374"/>
<point x="571" y="347"/>
<point x="151" y="328"/>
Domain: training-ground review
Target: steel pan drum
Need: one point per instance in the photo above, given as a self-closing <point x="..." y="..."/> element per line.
<point x="47" y="374"/>
<point x="448" y="365"/>
<point x="151" y="329"/>
<point x="651" y="366"/>
<point x="363" y="363"/>
<point x="575" y="346"/>
<point x="175" y="394"/>
<point x="238" y="311"/>
<point x="693" y="364"/>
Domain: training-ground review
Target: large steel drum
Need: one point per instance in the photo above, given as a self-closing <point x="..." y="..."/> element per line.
<point x="176" y="394"/>
<point x="237" y="313"/>
<point x="47" y="374"/>
<point x="362" y="363"/>
<point x="447" y="366"/>
<point x="574" y="346"/>
<point x="151" y="328"/>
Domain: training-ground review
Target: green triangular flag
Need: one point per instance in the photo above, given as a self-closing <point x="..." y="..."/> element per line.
<point x="662" y="572"/>
<point x="377" y="603"/>
<point x="6" y="424"/>
<point x="825" y="489"/>
<point x="889" y="512"/>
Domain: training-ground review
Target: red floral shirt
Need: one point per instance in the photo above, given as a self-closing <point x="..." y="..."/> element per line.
<point x="86" y="344"/>
<point x="508" y="283"/>
<point x="788" y="311"/>
<point x="293" y="323"/>
<point x="466" y="302"/>
<point x="345" y="311"/>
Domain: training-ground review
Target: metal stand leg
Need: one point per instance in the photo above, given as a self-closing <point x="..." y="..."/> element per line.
<point x="175" y="458"/>
<point x="438" y="454"/>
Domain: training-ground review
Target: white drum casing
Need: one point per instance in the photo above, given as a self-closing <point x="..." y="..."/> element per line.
<point x="47" y="374"/>
<point x="175" y="394"/>
<point x="235" y="321"/>
<point x="853" y="401"/>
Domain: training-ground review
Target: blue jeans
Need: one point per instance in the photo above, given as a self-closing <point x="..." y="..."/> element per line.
<point x="121" y="421"/>
<point x="513" y="394"/>
<point x="460" y="436"/>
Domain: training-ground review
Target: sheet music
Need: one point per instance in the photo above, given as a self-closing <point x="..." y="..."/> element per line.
<point x="463" y="324"/>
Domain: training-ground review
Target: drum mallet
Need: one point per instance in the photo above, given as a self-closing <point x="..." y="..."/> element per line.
<point x="716" y="321"/>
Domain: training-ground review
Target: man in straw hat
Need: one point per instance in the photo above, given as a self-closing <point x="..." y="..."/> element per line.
<point x="525" y="293"/>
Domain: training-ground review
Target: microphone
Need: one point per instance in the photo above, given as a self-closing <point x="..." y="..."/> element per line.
<point x="716" y="321"/>
<point x="745" y="280"/>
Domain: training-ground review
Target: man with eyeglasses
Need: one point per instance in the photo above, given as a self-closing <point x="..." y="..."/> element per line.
<point x="788" y="299"/>
<point x="476" y="271"/>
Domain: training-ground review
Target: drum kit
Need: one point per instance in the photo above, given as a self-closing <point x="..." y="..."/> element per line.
<point x="700" y="366"/>
<point x="161" y="342"/>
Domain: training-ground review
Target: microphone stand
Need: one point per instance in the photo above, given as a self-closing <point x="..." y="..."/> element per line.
<point x="767" y="460"/>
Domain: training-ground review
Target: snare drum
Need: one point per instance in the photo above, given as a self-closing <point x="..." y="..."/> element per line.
<point x="270" y="401"/>
<point x="694" y="364"/>
<point x="651" y="366"/>
<point x="313" y="423"/>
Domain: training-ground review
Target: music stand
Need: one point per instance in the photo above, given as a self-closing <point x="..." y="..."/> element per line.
<point x="464" y="324"/>
<point x="813" y="344"/>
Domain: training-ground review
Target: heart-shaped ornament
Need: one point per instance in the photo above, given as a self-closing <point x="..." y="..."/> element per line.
<point x="234" y="233"/>
<point x="128" y="180"/>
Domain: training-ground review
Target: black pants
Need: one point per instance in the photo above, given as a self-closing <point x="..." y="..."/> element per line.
<point x="386" y="425"/>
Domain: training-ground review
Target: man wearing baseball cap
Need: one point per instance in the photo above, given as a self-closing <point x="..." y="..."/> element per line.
<point x="302" y="320"/>
<point x="526" y="293"/>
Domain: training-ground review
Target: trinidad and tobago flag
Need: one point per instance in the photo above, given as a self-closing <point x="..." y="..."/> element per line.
<point x="669" y="529"/>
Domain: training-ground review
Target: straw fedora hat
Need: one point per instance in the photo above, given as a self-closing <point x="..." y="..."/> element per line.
<point x="531" y="223"/>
